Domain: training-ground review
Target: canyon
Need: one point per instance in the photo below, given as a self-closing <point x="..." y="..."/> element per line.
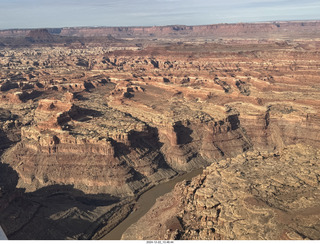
<point x="276" y="29"/>
<point x="91" y="118"/>
<point x="243" y="198"/>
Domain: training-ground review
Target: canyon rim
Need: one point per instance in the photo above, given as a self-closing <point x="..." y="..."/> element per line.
<point x="91" y="118"/>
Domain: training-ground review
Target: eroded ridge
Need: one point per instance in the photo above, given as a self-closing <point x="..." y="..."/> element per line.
<point x="254" y="196"/>
<point x="117" y="119"/>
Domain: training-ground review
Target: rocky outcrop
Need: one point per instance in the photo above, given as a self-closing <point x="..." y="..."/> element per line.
<point x="279" y="124"/>
<point x="52" y="151"/>
<point x="120" y="118"/>
<point x="256" y="195"/>
<point x="190" y="143"/>
<point x="127" y="113"/>
<point x="39" y="35"/>
<point x="281" y="29"/>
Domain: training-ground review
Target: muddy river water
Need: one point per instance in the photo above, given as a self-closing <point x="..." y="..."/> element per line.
<point x="145" y="202"/>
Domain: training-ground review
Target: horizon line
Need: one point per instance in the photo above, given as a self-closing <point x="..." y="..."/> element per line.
<point x="150" y="26"/>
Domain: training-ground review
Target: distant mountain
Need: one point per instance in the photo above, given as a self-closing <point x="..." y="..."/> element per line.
<point x="281" y="30"/>
<point x="39" y="35"/>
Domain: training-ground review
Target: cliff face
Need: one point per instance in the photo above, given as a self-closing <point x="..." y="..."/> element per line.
<point x="115" y="122"/>
<point x="148" y="116"/>
<point x="41" y="35"/>
<point x="245" y="197"/>
<point x="241" y="30"/>
<point x="53" y="152"/>
<point x="281" y="30"/>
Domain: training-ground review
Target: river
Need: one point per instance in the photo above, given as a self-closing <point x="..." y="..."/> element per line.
<point x="145" y="202"/>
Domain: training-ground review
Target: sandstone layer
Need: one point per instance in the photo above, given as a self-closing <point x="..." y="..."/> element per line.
<point x="110" y="120"/>
<point x="277" y="29"/>
<point x="254" y="196"/>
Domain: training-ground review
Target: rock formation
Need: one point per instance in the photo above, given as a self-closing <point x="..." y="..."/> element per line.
<point x="279" y="29"/>
<point x="117" y="117"/>
<point x="63" y="134"/>
<point x="39" y="35"/>
<point x="254" y="196"/>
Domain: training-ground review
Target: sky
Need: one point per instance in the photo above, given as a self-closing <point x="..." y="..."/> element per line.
<point x="72" y="13"/>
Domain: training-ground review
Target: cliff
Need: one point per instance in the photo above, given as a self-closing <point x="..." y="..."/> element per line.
<point x="60" y="146"/>
<point x="254" y="196"/>
<point x="116" y="120"/>
<point x="279" y="29"/>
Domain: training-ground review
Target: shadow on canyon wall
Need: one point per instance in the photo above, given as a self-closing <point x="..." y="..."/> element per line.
<point x="8" y="178"/>
<point x="183" y="133"/>
<point x="56" y="212"/>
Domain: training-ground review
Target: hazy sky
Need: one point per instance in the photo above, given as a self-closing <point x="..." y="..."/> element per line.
<point x="68" y="13"/>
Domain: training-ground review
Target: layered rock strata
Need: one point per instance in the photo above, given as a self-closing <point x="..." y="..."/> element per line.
<point x="53" y="151"/>
<point x="284" y="29"/>
<point x="254" y="196"/>
<point x="119" y="121"/>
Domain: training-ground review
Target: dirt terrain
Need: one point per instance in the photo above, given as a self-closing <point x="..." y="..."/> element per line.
<point x="90" y="121"/>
